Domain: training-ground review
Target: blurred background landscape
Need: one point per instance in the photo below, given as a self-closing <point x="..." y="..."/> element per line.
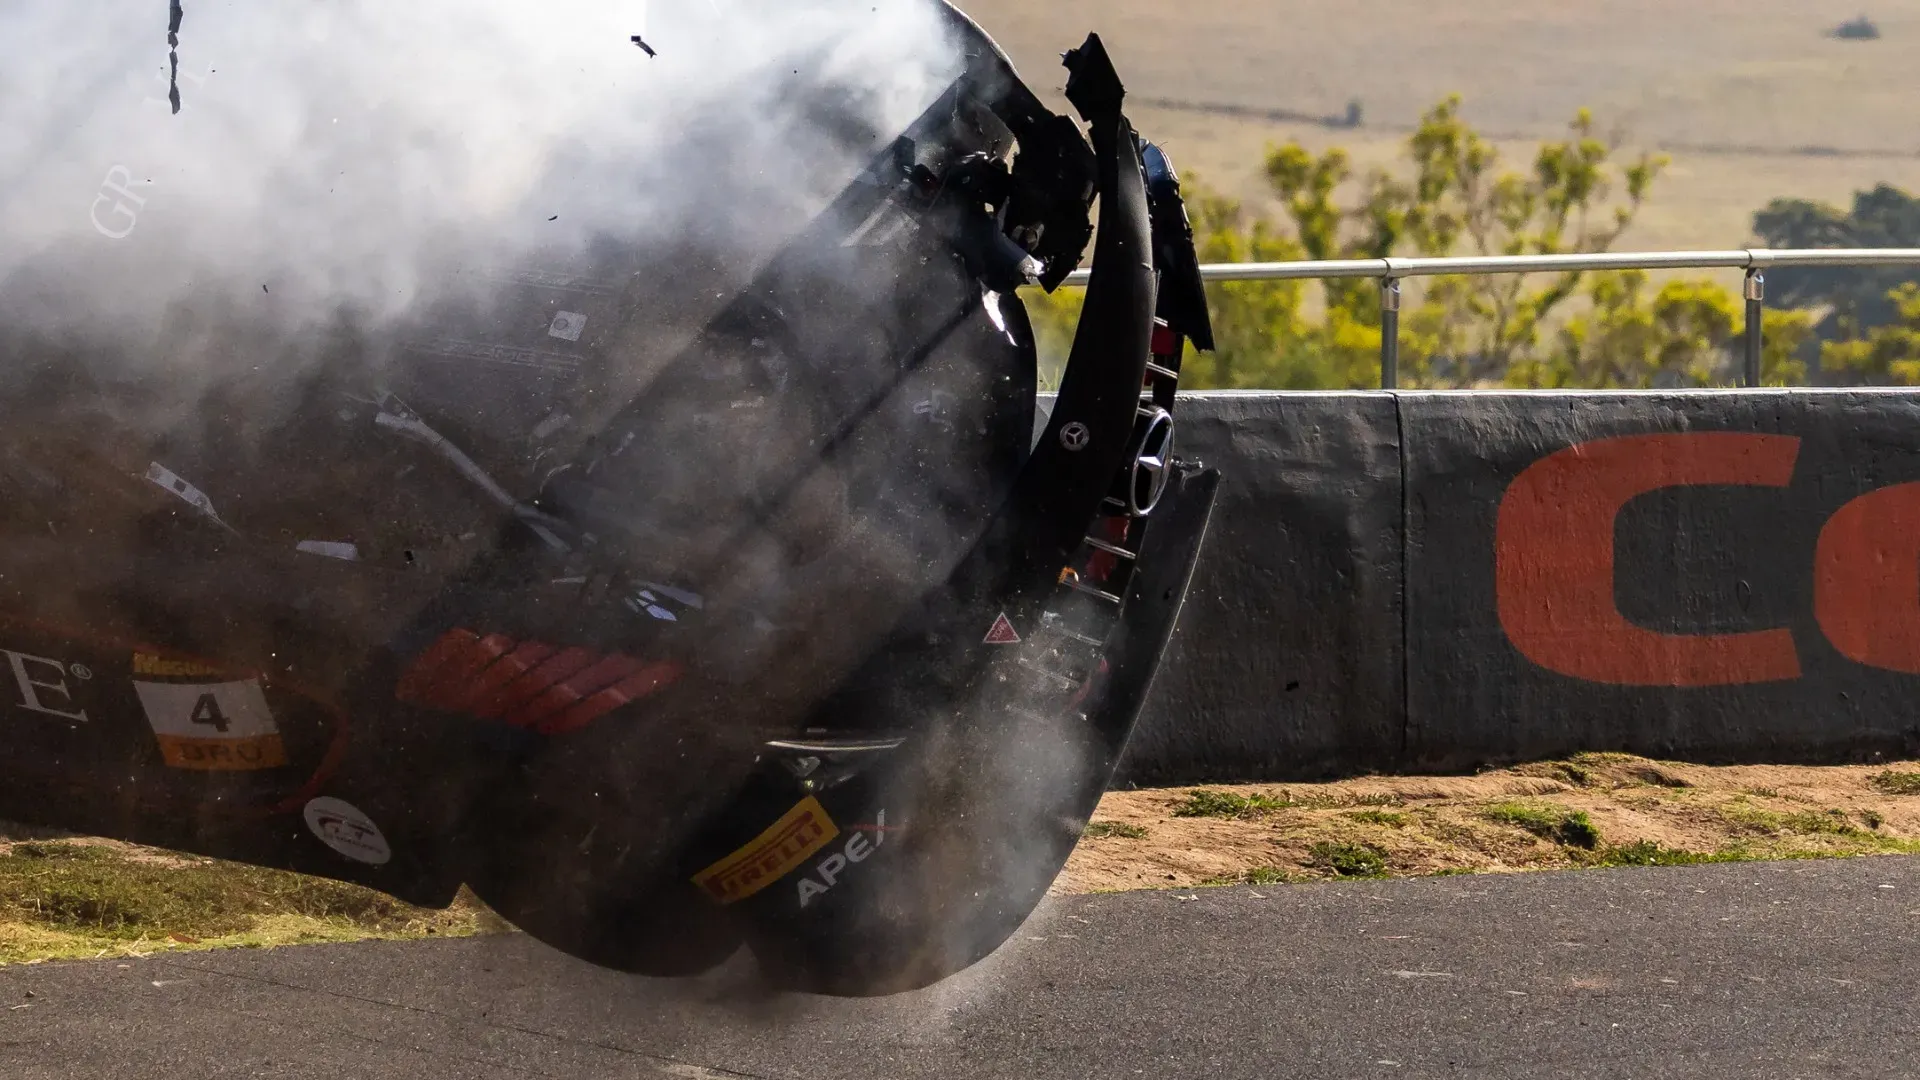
<point x="1388" y="127"/>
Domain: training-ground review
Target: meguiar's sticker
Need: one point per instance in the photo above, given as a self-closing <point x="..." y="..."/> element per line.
<point x="341" y="826"/>
<point x="215" y="727"/>
<point x="770" y="856"/>
<point x="1002" y="632"/>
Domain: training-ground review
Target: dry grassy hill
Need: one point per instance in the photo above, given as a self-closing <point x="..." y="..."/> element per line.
<point x="1751" y="98"/>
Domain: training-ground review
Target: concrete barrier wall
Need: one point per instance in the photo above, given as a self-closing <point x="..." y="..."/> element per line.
<point x="1437" y="581"/>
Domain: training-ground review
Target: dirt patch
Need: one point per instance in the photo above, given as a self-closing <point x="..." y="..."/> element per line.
<point x="1588" y="810"/>
<point x="71" y="897"/>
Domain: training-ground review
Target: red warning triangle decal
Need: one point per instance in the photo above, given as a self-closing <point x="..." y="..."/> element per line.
<point x="1002" y="632"/>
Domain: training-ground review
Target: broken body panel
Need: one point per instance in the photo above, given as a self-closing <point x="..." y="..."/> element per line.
<point x="799" y="639"/>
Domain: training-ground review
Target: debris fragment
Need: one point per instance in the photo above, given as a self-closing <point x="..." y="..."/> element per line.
<point x="174" y="15"/>
<point x="169" y="480"/>
<point x="329" y="549"/>
<point x="644" y="47"/>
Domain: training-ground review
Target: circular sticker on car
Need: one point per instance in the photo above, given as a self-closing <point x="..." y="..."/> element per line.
<point x="341" y="826"/>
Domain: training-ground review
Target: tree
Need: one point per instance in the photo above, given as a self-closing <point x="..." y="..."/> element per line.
<point x="1454" y="196"/>
<point x="1856" y="298"/>
<point x="1460" y="200"/>
<point x="1681" y="335"/>
<point x="1890" y="353"/>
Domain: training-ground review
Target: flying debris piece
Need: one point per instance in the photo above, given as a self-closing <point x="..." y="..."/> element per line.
<point x="330" y="548"/>
<point x="174" y="16"/>
<point x="179" y="488"/>
<point x="644" y="47"/>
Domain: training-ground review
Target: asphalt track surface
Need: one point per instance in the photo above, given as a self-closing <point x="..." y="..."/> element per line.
<point x="1804" y="969"/>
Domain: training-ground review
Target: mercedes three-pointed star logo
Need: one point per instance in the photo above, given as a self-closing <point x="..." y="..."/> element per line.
<point x="1155" y="450"/>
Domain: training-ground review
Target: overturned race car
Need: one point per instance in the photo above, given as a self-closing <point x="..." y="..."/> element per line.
<point x="673" y="602"/>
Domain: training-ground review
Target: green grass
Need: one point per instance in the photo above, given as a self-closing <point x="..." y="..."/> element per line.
<point x="1349" y="860"/>
<point x="1572" y="773"/>
<point x="1203" y="802"/>
<point x="1228" y="804"/>
<point x="1100" y="830"/>
<point x="75" y="899"/>
<point x="1379" y="817"/>
<point x="1648" y="853"/>
<point x="1833" y="822"/>
<point x="1897" y="783"/>
<point x="1259" y="875"/>
<point x="1572" y="828"/>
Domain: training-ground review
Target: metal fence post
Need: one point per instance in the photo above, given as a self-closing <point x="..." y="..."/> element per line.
<point x="1756" y="294"/>
<point x="1389" y="333"/>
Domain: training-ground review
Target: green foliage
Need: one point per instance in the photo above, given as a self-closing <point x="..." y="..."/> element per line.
<point x="1227" y="804"/>
<point x="1648" y="853"/>
<point x="1574" y="829"/>
<point x="1573" y="774"/>
<point x="1054" y="317"/>
<point x="1889" y="353"/>
<point x="1259" y="875"/>
<point x="92" y="889"/>
<point x="1452" y="194"/>
<point x="1379" y="817"/>
<point x="1852" y="300"/>
<point x="1897" y="783"/>
<point x="1102" y="829"/>
<point x="1457" y="197"/>
<point x="1577" y="830"/>
<point x="1266" y="875"/>
<point x="1349" y="860"/>
<point x="1833" y="822"/>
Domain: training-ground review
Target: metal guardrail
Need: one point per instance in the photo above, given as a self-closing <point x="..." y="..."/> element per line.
<point x="1390" y="272"/>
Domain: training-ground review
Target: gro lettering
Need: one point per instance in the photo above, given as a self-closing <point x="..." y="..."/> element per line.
<point x="122" y="202"/>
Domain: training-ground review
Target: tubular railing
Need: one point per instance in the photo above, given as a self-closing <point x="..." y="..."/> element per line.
<point x="1390" y="272"/>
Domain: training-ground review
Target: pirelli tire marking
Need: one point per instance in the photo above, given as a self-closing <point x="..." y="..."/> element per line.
<point x="222" y="726"/>
<point x="775" y="853"/>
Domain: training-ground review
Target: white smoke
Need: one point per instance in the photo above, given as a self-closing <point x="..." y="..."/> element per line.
<point x="335" y="154"/>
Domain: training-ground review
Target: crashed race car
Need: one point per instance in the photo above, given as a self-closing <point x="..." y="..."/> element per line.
<point x="817" y="633"/>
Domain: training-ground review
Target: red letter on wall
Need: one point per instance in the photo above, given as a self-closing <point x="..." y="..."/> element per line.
<point x="1553" y="560"/>
<point x="1866" y="579"/>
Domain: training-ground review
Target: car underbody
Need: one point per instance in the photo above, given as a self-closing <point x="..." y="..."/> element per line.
<point x="810" y="633"/>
